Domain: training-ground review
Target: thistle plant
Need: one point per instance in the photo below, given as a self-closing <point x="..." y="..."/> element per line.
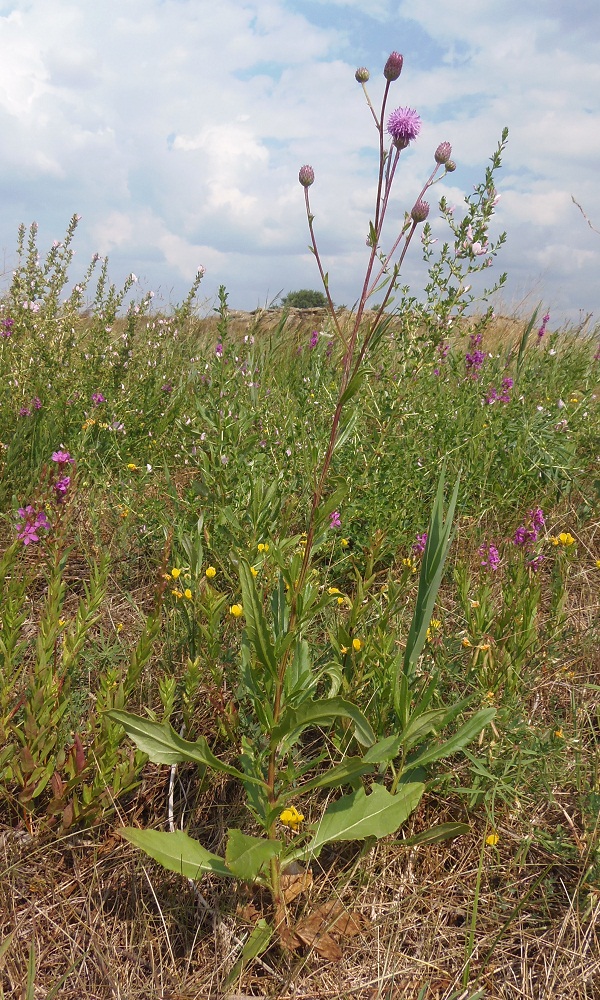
<point x="287" y="693"/>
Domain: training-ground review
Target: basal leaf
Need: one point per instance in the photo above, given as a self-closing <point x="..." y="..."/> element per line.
<point x="163" y="745"/>
<point x="358" y="815"/>
<point x="245" y="856"/>
<point x="256" y="944"/>
<point x="178" y="852"/>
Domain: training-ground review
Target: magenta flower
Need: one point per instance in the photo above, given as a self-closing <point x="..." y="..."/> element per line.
<point x="31" y="522"/>
<point x="306" y="175"/>
<point x="62" y="457"/>
<point x="6" y="327"/>
<point x="314" y="339"/>
<point x="24" y="412"/>
<point x="404" y="124"/>
<point x="420" y="543"/>
<point x="219" y="350"/>
<point x="542" y="330"/>
<point x="537" y="518"/>
<point x="98" y="398"/>
<point x="334" y="519"/>
<point x="393" y="66"/>
<point x="490" y="557"/>
<point x="61" y="488"/>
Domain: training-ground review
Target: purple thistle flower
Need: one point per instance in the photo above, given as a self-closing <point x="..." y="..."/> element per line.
<point x="404" y="124"/>
<point x="334" y="519"/>
<point x="98" y="398"/>
<point x="490" y="557"/>
<point x="420" y="543"/>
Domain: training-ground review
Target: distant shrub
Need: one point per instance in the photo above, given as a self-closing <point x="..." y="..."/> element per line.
<point x="306" y="298"/>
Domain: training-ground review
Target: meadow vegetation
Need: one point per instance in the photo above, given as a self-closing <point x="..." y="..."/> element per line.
<point x="305" y="606"/>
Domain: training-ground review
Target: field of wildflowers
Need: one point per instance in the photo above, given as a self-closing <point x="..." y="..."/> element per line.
<point x="304" y="606"/>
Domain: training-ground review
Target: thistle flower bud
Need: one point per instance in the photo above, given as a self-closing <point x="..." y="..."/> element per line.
<point x="443" y="152"/>
<point x="306" y="175"/>
<point x="420" y="211"/>
<point x="362" y="74"/>
<point x="450" y="166"/>
<point x="393" y="66"/>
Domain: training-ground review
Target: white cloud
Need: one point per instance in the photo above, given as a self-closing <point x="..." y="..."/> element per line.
<point x="177" y="129"/>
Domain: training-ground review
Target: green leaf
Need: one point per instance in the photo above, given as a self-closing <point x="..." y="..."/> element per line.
<point x="432" y="569"/>
<point x="245" y="856"/>
<point x="437" y="834"/>
<point x="178" y="852"/>
<point x="384" y="750"/>
<point x="163" y="745"/>
<point x="462" y="737"/>
<point x="321" y="713"/>
<point x="341" y="774"/>
<point x="257" y="943"/>
<point x="256" y="625"/>
<point x="358" y="815"/>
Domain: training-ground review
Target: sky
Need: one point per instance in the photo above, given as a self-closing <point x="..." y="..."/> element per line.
<point x="176" y="129"/>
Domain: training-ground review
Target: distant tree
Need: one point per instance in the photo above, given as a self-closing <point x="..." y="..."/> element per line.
<point x="305" y="298"/>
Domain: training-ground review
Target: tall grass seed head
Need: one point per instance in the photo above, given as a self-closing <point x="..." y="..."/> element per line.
<point x="393" y="66"/>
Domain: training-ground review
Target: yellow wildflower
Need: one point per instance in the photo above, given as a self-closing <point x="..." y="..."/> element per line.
<point x="474" y="604"/>
<point x="466" y="642"/>
<point x="344" y="542"/>
<point x="187" y="594"/>
<point x="340" y="601"/>
<point x="291" y="818"/>
<point x="343" y="650"/>
<point x="566" y="538"/>
<point x="119" y="626"/>
<point x="263" y="546"/>
<point x="175" y="573"/>
<point x="484" y="646"/>
<point x="132" y="466"/>
<point x="357" y="645"/>
<point x="597" y="563"/>
<point x="559" y="734"/>
<point x="236" y="610"/>
<point x="492" y="839"/>
<point x="177" y="594"/>
<point x="253" y="571"/>
<point x="211" y="572"/>
<point x="410" y="564"/>
<point x="62" y="622"/>
<point x="333" y="590"/>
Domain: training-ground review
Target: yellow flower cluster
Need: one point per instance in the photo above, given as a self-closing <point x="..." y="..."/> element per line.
<point x="236" y="610"/>
<point x="565" y="539"/>
<point x="291" y="818"/>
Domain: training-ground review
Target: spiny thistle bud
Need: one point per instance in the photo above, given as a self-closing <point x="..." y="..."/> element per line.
<point x="450" y="165"/>
<point x="362" y="74"/>
<point x="420" y="211"/>
<point x="443" y="152"/>
<point x="393" y="66"/>
<point x="306" y="175"/>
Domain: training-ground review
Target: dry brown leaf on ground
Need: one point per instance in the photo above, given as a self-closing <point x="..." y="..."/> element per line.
<point x="294" y="885"/>
<point x="318" y="929"/>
